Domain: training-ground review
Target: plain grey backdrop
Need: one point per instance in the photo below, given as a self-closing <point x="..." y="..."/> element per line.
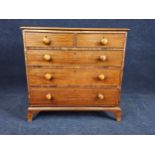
<point x="138" y="99"/>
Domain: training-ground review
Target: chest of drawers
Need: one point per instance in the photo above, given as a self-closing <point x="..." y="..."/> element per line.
<point x="74" y="68"/>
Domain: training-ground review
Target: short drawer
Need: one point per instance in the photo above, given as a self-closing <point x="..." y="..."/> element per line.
<point x="34" y="39"/>
<point x="73" y="97"/>
<point x="73" y="76"/>
<point x="97" y="58"/>
<point x="105" y="40"/>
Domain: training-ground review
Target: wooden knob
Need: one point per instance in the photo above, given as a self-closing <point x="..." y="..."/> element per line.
<point x="101" y="77"/>
<point x="47" y="57"/>
<point x="104" y="41"/>
<point x="46" y="41"/>
<point x="103" y="58"/>
<point x="49" y="96"/>
<point x="48" y="76"/>
<point x="100" y="96"/>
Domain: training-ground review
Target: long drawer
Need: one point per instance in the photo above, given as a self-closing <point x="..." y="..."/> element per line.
<point x="73" y="76"/>
<point x="73" y="97"/>
<point x="97" y="58"/>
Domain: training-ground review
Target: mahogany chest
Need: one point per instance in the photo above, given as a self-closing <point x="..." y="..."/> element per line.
<point x="74" y="68"/>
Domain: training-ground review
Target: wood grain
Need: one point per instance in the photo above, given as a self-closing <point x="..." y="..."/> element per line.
<point x="57" y="40"/>
<point x="73" y="76"/>
<point x="115" y="40"/>
<point x="75" y="59"/>
<point x="73" y="97"/>
<point x="36" y="57"/>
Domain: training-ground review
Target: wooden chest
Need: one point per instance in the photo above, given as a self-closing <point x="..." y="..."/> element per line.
<point x="74" y="68"/>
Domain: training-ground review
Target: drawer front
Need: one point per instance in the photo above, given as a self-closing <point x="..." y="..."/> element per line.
<point x="101" y="58"/>
<point x="73" y="76"/>
<point x="72" y="97"/>
<point x="106" y="40"/>
<point x="48" y="40"/>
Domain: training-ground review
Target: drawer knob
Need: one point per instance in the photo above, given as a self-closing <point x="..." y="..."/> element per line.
<point x="104" y="41"/>
<point x="103" y="58"/>
<point x="48" y="76"/>
<point x="47" y="57"/>
<point x="101" y="77"/>
<point x="49" y="96"/>
<point x="46" y="41"/>
<point x="100" y="96"/>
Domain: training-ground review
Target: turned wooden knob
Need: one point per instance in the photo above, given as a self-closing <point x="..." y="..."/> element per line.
<point x="47" y="57"/>
<point x="103" y="58"/>
<point x="101" y="77"/>
<point x="104" y="41"/>
<point x="48" y="76"/>
<point x="100" y="96"/>
<point x="49" y="96"/>
<point x="46" y="40"/>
